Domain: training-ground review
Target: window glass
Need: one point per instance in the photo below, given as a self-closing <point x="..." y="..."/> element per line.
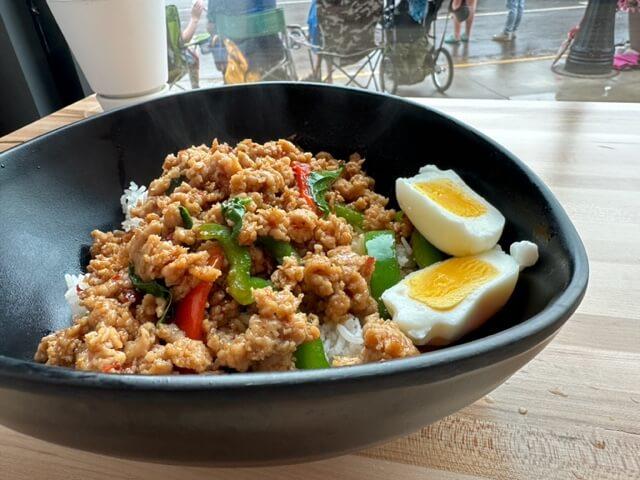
<point x="507" y="49"/>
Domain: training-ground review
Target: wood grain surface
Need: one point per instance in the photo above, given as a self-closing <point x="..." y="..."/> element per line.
<point x="573" y="412"/>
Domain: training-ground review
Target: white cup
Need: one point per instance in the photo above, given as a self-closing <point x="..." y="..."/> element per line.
<point x="120" y="45"/>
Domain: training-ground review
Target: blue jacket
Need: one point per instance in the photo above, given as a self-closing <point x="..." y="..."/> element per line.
<point x="418" y="9"/>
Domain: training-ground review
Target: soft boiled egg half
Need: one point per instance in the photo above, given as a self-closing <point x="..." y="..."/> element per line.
<point x="439" y="304"/>
<point x="448" y="213"/>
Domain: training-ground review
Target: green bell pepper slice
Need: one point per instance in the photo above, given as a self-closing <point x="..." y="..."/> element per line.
<point x="278" y="249"/>
<point x="381" y="245"/>
<point x="424" y="253"/>
<point x="239" y="280"/>
<point x="352" y="216"/>
<point x="311" y="355"/>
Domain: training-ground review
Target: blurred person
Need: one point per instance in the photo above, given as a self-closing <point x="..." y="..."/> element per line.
<point x="196" y="12"/>
<point x="514" y="17"/>
<point x="261" y="53"/>
<point x="315" y="38"/>
<point x="193" y="60"/>
<point x="183" y="58"/>
<point x="463" y="12"/>
<point x="417" y="9"/>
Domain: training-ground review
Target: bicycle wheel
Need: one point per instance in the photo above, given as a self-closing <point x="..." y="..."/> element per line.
<point x="388" y="78"/>
<point x="442" y="73"/>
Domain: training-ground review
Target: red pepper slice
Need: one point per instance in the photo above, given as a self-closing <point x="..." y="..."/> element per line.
<point x="302" y="172"/>
<point x="190" y="311"/>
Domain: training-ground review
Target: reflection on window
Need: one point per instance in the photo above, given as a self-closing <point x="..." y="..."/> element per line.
<point x="512" y="49"/>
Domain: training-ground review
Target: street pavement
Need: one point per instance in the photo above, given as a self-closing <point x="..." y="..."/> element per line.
<point x="483" y="68"/>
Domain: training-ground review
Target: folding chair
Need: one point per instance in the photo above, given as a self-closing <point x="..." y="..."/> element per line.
<point x="243" y="28"/>
<point x="177" y="50"/>
<point x="348" y="38"/>
<point x="177" y="63"/>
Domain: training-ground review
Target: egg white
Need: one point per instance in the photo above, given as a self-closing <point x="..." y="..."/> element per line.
<point x="426" y="325"/>
<point x="525" y="253"/>
<point x="451" y="233"/>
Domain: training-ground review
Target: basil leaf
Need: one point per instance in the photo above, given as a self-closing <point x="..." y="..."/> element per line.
<point x="163" y="317"/>
<point x="152" y="288"/>
<point x="319" y="184"/>
<point x="233" y="209"/>
<point x="186" y="217"/>
<point x="175" y="183"/>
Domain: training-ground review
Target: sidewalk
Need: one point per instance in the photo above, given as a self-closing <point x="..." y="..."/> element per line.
<point x="530" y="79"/>
<point x="516" y="79"/>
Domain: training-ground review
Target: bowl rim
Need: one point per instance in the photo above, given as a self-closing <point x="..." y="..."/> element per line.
<point x="463" y="358"/>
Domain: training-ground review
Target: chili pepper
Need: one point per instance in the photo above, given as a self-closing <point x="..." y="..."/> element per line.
<point x="311" y="355"/>
<point x="314" y="185"/>
<point x="302" y="172"/>
<point x="130" y="296"/>
<point x="424" y="253"/>
<point x="239" y="280"/>
<point x="381" y="245"/>
<point x="190" y="311"/>
<point x="352" y="216"/>
<point x="187" y="221"/>
<point x="368" y="267"/>
<point x="278" y="248"/>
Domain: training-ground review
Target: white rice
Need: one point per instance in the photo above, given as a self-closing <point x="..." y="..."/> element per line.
<point x="131" y="197"/>
<point x="406" y="245"/>
<point x="344" y="340"/>
<point x="404" y="256"/>
<point x="75" y="282"/>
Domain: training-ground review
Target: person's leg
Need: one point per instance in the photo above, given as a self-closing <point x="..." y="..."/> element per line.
<point x="193" y="64"/>
<point x="455" y="38"/>
<point x="512" y="16"/>
<point x="316" y="73"/>
<point x="457" y="26"/>
<point x="519" y="13"/>
<point x="469" y="23"/>
<point x="510" y="25"/>
<point x="329" y="78"/>
<point x="314" y="39"/>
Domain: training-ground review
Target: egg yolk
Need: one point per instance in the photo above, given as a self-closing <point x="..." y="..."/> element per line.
<point x="451" y="197"/>
<point x="446" y="285"/>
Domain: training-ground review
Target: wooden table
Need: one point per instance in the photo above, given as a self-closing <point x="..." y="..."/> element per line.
<point x="572" y="413"/>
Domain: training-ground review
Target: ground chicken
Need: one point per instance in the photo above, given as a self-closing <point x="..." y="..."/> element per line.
<point x="276" y="330"/>
<point x="336" y="284"/>
<point x="117" y="330"/>
<point x="383" y="340"/>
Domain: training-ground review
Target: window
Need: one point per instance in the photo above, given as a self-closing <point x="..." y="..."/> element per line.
<point x="484" y="49"/>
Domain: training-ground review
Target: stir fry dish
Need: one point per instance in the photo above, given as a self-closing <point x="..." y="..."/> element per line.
<point x="263" y="257"/>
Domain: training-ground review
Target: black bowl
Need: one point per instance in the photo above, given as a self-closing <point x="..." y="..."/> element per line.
<point x="55" y="189"/>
